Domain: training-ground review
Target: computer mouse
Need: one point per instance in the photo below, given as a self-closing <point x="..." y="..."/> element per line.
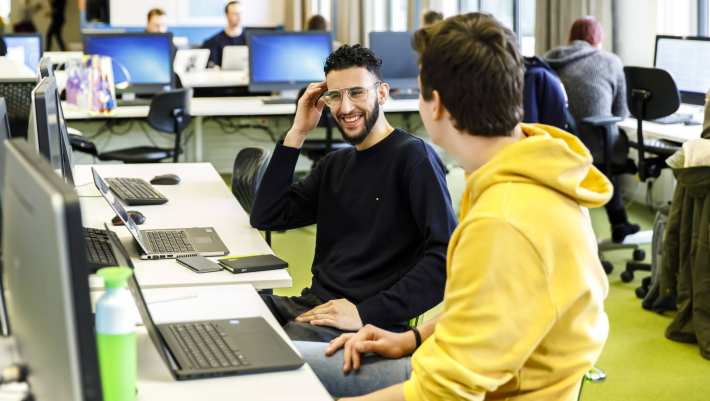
<point x="165" y="179"/>
<point x="135" y="215"/>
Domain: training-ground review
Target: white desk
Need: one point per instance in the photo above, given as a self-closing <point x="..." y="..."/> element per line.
<point x="223" y="302"/>
<point x="224" y="107"/>
<point x="200" y="200"/>
<point x="671" y="132"/>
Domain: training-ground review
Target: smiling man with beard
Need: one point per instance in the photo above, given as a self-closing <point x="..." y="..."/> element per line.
<point x="382" y="209"/>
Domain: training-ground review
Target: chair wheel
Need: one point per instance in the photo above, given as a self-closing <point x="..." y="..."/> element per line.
<point x="608" y="267"/>
<point x="641" y="292"/>
<point x="639" y="255"/>
<point x="627" y="276"/>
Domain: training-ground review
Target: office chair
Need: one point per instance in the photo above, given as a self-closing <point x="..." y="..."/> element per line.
<point x="315" y="149"/>
<point x="249" y="168"/>
<point x="651" y="94"/>
<point x="169" y="112"/>
<point x="612" y="160"/>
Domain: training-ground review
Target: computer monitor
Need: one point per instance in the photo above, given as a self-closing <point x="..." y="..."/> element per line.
<point x="47" y="285"/>
<point x="44" y="134"/>
<point x="46" y="71"/>
<point x="286" y="61"/>
<point x="144" y="61"/>
<point x="25" y="48"/>
<point x="687" y="59"/>
<point x="399" y="60"/>
<point x="18" y="99"/>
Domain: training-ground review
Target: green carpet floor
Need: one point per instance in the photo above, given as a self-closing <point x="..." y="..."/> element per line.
<point x="641" y="364"/>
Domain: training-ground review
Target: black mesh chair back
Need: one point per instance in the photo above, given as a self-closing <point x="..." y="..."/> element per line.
<point x="249" y="167"/>
<point x="18" y="99"/>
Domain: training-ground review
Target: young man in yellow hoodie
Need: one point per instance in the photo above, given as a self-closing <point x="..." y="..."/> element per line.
<point x="523" y="315"/>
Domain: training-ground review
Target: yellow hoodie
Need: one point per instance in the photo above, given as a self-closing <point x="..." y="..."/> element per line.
<point x="523" y="314"/>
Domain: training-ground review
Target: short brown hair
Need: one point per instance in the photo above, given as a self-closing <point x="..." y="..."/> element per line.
<point x="430" y="17"/>
<point x="587" y="29"/>
<point x="155" y="12"/>
<point x="231" y="3"/>
<point x="473" y="61"/>
<point x="317" y="23"/>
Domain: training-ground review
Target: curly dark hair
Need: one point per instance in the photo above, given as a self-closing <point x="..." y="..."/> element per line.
<point x="347" y="56"/>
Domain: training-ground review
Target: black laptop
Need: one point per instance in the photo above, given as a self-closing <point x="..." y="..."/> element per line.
<point x="210" y="348"/>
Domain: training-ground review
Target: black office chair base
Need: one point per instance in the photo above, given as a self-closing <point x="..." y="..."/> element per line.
<point x="631" y="267"/>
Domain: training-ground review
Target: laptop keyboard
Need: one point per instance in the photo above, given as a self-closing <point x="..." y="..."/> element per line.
<point x="98" y="249"/>
<point x="206" y="346"/>
<point x="168" y="241"/>
<point x="135" y="191"/>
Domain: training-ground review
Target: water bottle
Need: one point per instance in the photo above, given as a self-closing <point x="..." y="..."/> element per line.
<point x="116" y="337"/>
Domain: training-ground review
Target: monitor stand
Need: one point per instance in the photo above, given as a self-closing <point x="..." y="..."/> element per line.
<point x="284" y="97"/>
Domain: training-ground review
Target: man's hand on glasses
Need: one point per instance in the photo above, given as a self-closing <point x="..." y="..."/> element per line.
<point x="308" y="112"/>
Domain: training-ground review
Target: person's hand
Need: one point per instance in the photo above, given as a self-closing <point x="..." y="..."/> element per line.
<point x="308" y="112"/>
<point x="371" y="339"/>
<point x="339" y="313"/>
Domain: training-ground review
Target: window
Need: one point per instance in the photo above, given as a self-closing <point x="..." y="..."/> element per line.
<point x="398" y="15"/>
<point x="675" y="17"/>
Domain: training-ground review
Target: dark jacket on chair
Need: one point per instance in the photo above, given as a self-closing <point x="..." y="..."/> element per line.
<point x="685" y="267"/>
<point x="544" y="98"/>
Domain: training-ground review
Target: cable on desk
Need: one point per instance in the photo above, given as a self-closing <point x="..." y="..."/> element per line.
<point x="228" y="127"/>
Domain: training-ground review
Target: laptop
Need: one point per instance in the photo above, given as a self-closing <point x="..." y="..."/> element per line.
<point x="210" y="348"/>
<point x="191" y="60"/>
<point x="165" y="243"/>
<point x="235" y="58"/>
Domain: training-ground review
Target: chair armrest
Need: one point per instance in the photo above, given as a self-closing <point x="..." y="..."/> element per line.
<point x="601" y="121"/>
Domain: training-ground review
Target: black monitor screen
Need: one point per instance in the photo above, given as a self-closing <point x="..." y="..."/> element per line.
<point x="46" y="123"/>
<point x="399" y="60"/>
<point x="144" y="61"/>
<point x="686" y="59"/>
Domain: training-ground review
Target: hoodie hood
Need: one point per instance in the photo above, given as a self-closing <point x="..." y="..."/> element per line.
<point x="548" y="157"/>
<point x="564" y="55"/>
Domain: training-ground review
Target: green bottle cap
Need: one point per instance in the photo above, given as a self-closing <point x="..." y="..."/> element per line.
<point x="115" y="277"/>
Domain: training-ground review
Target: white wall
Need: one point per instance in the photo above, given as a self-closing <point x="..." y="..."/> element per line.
<point x="641" y="20"/>
<point x="197" y="12"/>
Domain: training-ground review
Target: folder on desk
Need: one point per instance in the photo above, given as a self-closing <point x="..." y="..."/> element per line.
<point x="254" y="263"/>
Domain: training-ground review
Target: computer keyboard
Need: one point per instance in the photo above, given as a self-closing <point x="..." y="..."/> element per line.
<point x="133" y="102"/>
<point x="168" y="241"/>
<point x="98" y="249"/>
<point x="206" y="347"/>
<point x="675" y="118"/>
<point x="135" y="191"/>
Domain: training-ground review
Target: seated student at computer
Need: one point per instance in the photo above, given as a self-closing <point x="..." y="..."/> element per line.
<point x="232" y="35"/>
<point x="157" y="21"/>
<point x="382" y="209"/>
<point x="523" y="314"/>
<point x="430" y="17"/>
<point x="596" y="86"/>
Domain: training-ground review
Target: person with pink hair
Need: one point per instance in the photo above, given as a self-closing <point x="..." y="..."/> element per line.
<point x="596" y="86"/>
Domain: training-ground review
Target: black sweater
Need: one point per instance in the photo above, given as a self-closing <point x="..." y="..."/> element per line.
<point x="217" y="43"/>
<point x="383" y="218"/>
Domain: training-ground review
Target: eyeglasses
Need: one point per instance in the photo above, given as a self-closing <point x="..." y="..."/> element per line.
<point x="333" y="98"/>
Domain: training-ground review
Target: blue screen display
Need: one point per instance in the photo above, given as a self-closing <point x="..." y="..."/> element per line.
<point x="137" y="59"/>
<point x="29" y="46"/>
<point x="399" y="60"/>
<point x="288" y="57"/>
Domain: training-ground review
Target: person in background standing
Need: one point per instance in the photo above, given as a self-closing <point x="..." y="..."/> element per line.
<point x="57" y="12"/>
